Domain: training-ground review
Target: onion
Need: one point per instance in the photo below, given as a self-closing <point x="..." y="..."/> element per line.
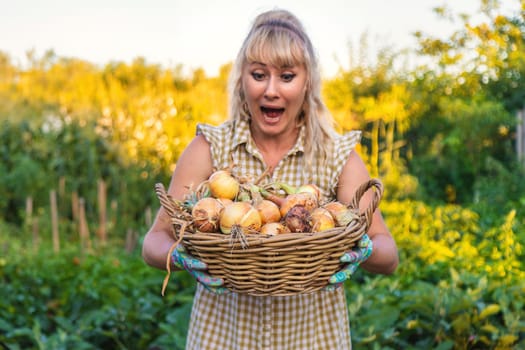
<point x="223" y="185"/>
<point x="268" y="210"/>
<point x="305" y="199"/>
<point x="310" y="188"/>
<point x="321" y="220"/>
<point x="341" y="213"/>
<point x="274" y="228"/>
<point x="273" y="197"/>
<point x="240" y="215"/>
<point x="225" y="201"/>
<point x="206" y="214"/>
<point x="297" y="219"/>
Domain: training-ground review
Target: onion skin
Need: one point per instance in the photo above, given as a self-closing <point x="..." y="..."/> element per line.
<point x="321" y="220"/>
<point x="274" y="228"/>
<point x="269" y="211"/>
<point x="305" y="199"/>
<point x="341" y="213"/>
<point x="297" y="219"/>
<point x="225" y="201"/>
<point x="307" y="188"/>
<point x="223" y="185"/>
<point x="206" y="214"/>
<point x="240" y="214"/>
<point x="310" y="188"/>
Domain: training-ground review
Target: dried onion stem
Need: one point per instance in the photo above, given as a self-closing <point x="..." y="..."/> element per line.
<point x="170" y="251"/>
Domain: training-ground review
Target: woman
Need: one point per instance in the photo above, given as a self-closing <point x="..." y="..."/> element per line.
<point x="278" y="122"/>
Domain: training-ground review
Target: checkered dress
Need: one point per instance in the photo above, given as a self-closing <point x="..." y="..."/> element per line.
<point x="234" y="321"/>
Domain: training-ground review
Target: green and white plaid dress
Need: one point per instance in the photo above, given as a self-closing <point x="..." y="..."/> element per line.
<point x="316" y="321"/>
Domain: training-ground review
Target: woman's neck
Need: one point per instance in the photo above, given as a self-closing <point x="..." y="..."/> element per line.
<point x="274" y="148"/>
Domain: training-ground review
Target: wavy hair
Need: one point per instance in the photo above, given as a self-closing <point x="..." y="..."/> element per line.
<point x="278" y="38"/>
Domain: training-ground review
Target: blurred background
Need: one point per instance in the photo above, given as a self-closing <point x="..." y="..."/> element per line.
<point x="98" y="99"/>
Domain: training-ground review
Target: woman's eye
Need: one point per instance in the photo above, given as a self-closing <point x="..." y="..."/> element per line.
<point x="258" y="76"/>
<point x="287" y="77"/>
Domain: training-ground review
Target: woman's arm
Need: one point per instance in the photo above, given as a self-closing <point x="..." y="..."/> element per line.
<point x="193" y="167"/>
<point x="384" y="258"/>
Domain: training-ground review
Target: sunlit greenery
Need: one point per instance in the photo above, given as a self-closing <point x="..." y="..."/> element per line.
<point x="441" y="135"/>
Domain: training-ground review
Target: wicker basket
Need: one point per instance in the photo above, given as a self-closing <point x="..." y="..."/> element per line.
<point x="280" y="265"/>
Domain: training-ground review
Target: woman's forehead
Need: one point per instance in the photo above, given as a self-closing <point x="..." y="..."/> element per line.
<point x="277" y="54"/>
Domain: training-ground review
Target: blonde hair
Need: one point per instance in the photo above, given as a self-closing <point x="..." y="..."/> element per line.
<point x="281" y="31"/>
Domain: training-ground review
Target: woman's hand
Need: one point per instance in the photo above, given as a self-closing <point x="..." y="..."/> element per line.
<point x="353" y="259"/>
<point x="182" y="260"/>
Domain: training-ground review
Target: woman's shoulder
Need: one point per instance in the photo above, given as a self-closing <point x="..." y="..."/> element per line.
<point x="221" y="139"/>
<point x="348" y="140"/>
<point x="344" y="144"/>
<point x="216" y="135"/>
<point x="223" y="128"/>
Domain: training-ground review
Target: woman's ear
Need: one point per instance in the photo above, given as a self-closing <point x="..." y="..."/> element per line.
<point x="306" y="86"/>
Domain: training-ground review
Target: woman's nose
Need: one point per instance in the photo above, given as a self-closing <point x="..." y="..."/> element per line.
<point x="271" y="91"/>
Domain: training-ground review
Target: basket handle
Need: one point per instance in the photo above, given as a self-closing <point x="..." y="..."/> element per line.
<point x="168" y="204"/>
<point x="361" y="190"/>
<point x="165" y="200"/>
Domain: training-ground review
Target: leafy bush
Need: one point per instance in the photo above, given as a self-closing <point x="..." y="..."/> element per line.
<point x="459" y="285"/>
<point x="461" y="311"/>
<point x="460" y="145"/>
<point x="32" y="165"/>
<point x="499" y="192"/>
<point x="110" y="300"/>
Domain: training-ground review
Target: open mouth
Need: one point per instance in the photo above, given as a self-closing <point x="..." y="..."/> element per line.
<point x="272" y="112"/>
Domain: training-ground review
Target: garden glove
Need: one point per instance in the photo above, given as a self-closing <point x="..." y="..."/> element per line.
<point x="352" y="259"/>
<point x="197" y="269"/>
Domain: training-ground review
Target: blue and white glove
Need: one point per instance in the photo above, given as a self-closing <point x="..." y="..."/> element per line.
<point x="353" y="259"/>
<point x="197" y="269"/>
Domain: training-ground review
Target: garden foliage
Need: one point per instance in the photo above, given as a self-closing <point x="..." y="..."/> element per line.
<point x="442" y="136"/>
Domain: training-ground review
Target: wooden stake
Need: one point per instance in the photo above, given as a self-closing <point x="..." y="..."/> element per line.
<point x="74" y="205"/>
<point x="30" y="222"/>
<point x="85" y="240"/>
<point x="131" y="240"/>
<point x="102" y="212"/>
<point x="114" y="213"/>
<point x="29" y="211"/>
<point x="36" y="236"/>
<point x="520" y="136"/>
<point x="54" y="220"/>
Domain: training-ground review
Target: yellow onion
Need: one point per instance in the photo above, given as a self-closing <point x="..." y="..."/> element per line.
<point x="268" y="210"/>
<point x="223" y="185"/>
<point x="297" y="219"/>
<point x="310" y="188"/>
<point x="241" y="215"/>
<point x="225" y="201"/>
<point x="341" y="213"/>
<point x="206" y="214"/>
<point x="274" y="228"/>
<point x="305" y="199"/>
<point x="321" y="220"/>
